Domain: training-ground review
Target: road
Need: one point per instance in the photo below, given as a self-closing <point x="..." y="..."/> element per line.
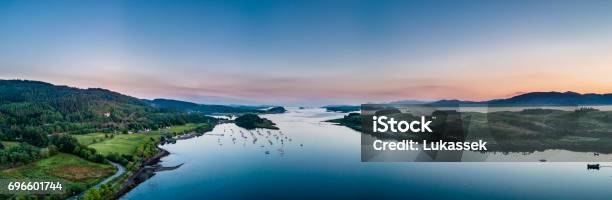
<point x="120" y="171"/>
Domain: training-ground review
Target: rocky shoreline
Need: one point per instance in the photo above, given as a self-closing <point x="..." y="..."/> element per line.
<point x="150" y="166"/>
<point x="145" y="172"/>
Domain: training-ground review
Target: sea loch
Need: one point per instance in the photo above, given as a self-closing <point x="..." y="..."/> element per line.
<point x="329" y="157"/>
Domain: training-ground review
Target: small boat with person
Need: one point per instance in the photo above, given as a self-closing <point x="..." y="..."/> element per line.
<point x="592" y="166"/>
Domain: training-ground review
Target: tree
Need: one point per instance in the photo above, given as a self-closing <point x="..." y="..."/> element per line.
<point x="92" y="194"/>
<point x="64" y="142"/>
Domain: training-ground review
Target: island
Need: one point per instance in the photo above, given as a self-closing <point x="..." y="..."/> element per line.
<point x="252" y="121"/>
<point x="342" y="108"/>
<point x="352" y="120"/>
<point x="276" y="110"/>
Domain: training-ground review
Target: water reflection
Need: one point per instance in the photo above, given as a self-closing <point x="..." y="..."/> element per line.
<point x="323" y="162"/>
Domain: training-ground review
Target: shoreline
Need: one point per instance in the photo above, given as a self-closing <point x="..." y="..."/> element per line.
<point x="146" y="171"/>
<point x="142" y="174"/>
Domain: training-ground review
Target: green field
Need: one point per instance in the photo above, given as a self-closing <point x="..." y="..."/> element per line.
<point x="182" y="128"/>
<point x="120" y="143"/>
<point x="126" y="143"/>
<point x="78" y="173"/>
<point x="88" y="139"/>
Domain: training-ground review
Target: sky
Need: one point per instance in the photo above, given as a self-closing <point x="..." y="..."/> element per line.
<point x="310" y="52"/>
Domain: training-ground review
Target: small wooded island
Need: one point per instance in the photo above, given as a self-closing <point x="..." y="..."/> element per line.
<point x="342" y="108"/>
<point x="252" y="121"/>
<point x="277" y="109"/>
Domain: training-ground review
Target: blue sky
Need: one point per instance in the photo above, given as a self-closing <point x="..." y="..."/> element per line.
<point x="310" y="52"/>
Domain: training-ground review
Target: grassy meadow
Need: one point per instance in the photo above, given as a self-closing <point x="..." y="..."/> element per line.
<point x="126" y="144"/>
<point x="120" y="143"/>
<point x="78" y="173"/>
<point x="181" y="128"/>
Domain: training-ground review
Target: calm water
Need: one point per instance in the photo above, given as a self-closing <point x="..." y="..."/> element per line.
<point x="322" y="160"/>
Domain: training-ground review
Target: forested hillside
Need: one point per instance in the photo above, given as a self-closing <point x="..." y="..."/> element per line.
<point x="35" y="115"/>
<point x="201" y="108"/>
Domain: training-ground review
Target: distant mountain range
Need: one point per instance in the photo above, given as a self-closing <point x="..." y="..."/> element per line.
<point x="528" y="99"/>
<point x="211" y="109"/>
<point x="194" y="107"/>
<point x="409" y="102"/>
<point x="537" y="99"/>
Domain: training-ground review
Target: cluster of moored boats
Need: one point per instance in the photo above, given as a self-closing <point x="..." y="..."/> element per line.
<point x="264" y="139"/>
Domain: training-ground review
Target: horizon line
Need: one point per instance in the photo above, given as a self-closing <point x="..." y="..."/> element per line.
<point x="261" y="104"/>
